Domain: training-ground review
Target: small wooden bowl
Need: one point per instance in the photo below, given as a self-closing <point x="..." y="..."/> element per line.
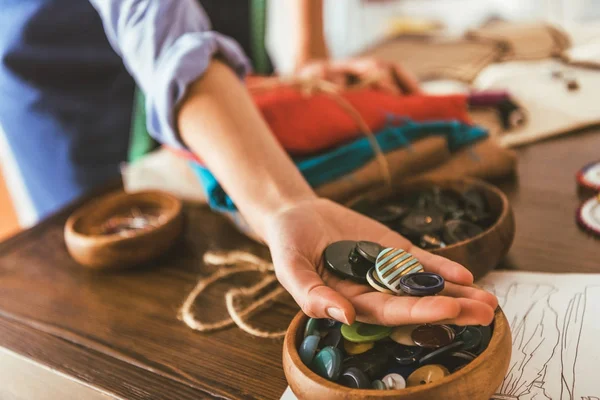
<point x="478" y="380"/>
<point x="482" y="253"/>
<point x="94" y="250"/>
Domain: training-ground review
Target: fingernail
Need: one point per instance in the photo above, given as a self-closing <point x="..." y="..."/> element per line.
<point x="338" y="315"/>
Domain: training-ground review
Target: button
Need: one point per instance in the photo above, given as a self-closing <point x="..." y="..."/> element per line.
<point x="448" y="201"/>
<point x="457" y="230"/>
<point x="328" y="363"/>
<point x="392" y="264"/>
<point x="438" y="353"/>
<point x="427" y="374"/>
<point x="430" y="242"/>
<point x="388" y="213"/>
<point x="333" y="339"/>
<point x="419" y="222"/>
<point x="406" y="355"/>
<point x="422" y="284"/>
<point x="458" y="329"/>
<point x="588" y="216"/>
<point x="394" y="381"/>
<point x="403" y="335"/>
<point x="486" y="337"/>
<point x="375" y="283"/>
<point x="368" y="250"/>
<point x="373" y="362"/>
<point x="403" y="370"/>
<point x="471" y="338"/>
<point x="433" y="336"/>
<point x="354" y="378"/>
<point x="379" y="385"/>
<point x="328" y="323"/>
<point x="457" y="360"/>
<point x="359" y="332"/>
<point x="308" y="348"/>
<point x="312" y="327"/>
<point x="336" y="258"/>
<point x="357" y="348"/>
<point x="588" y="177"/>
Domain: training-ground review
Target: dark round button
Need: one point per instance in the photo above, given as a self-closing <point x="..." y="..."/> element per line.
<point x="433" y="336"/>
<point x="333" y="339"/>
<point x="458" y="230"/>
<point x="336" y="258"/>
<point x="458" y="329"/>
<point x="422" y="284"/>
<point x="449" y="201"/>
<point x="387" y="213"/>
<point x="354" y="378"/>
<point x="373" y="362"/>
<point x="435" y="355"/>
<point x="406" y="355"/>
<point x="422" y="221"/>
<point x="471" y="338"/>
<point x="486" y="337"/>
<point x="429" y="242"/>
<point x="328" y="323"/>
<point x="369" y="250"/>
<point x="457" y="360"/>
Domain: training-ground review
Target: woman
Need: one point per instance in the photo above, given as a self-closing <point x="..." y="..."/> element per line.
<point x="195" y="99"/>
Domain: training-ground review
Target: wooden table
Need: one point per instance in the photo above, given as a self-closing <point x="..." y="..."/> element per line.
<point x="71" y="334"/>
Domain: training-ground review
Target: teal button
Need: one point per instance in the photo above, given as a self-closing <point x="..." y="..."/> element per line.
<point x="312" y="327"/>
<point x="308" y="348"/>
<point x="328" y="363"/>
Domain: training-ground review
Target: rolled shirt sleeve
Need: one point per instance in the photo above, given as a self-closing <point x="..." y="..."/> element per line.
<point x="166" y="45"/>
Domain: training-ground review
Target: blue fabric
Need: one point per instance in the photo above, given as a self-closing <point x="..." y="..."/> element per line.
<point x="66" y="97"/>
<point x="327" y="167"/>
<point x="166" y="45"/>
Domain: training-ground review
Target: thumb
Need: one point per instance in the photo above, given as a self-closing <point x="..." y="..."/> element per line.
<point x="317" y="300"/>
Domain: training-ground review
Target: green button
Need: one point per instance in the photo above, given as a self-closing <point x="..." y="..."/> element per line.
<point x="328" y="363"/>
<point x="312" y="327"/>
<point x="359" y="332"/>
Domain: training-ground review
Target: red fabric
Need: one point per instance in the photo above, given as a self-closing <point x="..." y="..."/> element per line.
<point x="309" y="124"/>
<point x="306" y="125"/>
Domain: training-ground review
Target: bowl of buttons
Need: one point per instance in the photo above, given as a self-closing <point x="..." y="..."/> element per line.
<point x="323" y="359"/>
<point x="122" y="230"/>
<point x="466" y="220"/>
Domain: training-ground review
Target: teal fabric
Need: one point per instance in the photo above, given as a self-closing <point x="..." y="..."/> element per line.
<point x="327" y="167"/>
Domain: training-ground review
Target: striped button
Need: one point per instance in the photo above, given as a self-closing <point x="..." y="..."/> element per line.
<point x="392" y="264"/>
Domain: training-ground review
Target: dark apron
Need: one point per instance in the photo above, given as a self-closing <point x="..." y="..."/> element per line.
<point x="244" y="21"/>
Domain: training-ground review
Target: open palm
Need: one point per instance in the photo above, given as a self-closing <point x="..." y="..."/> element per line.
<point x="297" y="238"/>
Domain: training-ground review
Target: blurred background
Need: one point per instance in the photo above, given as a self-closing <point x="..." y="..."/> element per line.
<point x="352" y="26"/>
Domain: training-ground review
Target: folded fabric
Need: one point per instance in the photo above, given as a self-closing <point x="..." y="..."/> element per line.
<point x="321" y="123"/>
<point x="523" y="41"/>
<point x="327" y="167"/>
<point x="485" y="159"/>
<point x="457" y="59"/>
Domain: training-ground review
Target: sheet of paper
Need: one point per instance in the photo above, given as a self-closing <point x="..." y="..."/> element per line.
<point x="555" y="324"/>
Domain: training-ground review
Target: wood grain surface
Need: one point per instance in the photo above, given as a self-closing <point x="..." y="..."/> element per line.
<point x="118" y="332"/>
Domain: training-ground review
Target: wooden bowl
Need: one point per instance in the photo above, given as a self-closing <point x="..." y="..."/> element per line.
<point x="96" y="250"/>
<point x="477" y="381"/>
<point x="482" y="253"/>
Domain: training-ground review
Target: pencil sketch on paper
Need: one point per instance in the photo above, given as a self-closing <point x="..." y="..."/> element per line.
<point x="555" y="325"/>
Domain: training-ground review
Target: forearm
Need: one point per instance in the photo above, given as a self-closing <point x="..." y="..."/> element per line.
<point x="310" y="36"/>
<point x="218" y="121"/>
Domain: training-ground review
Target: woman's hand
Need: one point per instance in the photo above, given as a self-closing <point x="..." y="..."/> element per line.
<point x="375" y="73"/>
<point x="297" y="237"/>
